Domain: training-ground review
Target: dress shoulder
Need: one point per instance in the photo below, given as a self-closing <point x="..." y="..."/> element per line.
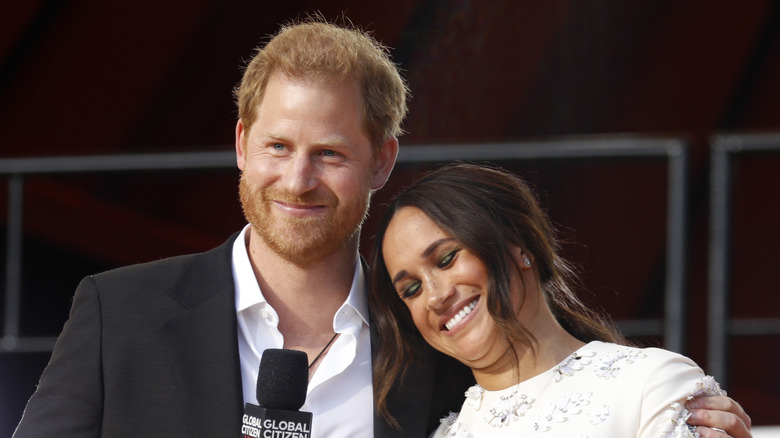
<point x="601" y="388"/>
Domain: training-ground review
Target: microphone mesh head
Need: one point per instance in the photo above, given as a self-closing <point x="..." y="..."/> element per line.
<point x="283" y="379"/>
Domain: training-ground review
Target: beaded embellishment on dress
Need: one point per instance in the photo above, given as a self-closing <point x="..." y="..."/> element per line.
<point x="677" y="414"/>
<point x="575" y="362"/>
<point x="609" y="366"/>
<point x="513" y="406"/>
<point x="508" y="409"/>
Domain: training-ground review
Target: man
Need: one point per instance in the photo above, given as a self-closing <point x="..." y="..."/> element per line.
<point x="171" y="348"/>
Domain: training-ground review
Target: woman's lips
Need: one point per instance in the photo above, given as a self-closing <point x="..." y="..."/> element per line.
<point x="462" y="313"/>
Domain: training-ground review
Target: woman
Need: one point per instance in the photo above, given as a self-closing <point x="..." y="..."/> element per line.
<point x="474" y="261"/>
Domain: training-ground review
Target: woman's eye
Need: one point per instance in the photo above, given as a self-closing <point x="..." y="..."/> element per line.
<point x="448" y="258"/>
<point x="410" y="291"/>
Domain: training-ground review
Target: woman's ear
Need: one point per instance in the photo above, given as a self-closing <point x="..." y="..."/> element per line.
<point x="523" y="260"/>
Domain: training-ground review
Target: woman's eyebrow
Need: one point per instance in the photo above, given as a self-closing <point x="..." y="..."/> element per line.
<point x="428" y="251"/>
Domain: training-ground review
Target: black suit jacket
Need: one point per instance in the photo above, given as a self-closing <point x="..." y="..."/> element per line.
<point x="151" y="350"/>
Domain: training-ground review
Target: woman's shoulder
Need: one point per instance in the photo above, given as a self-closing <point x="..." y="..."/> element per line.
<point x="622" y="362"/>
<point x="613" y="388"/>
<point x="607" y="350"/>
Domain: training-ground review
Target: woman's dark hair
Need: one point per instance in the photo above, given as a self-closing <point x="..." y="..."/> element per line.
<point x="488" y="211"/>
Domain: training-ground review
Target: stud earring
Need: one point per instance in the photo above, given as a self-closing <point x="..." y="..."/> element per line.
<point x="526" y="261"/>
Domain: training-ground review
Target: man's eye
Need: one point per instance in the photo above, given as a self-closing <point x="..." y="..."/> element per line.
<point x="278" y="146"/>
<point x="410" y="291"/>
<point x="448" y="258"/>
<point x="329" y="153"/>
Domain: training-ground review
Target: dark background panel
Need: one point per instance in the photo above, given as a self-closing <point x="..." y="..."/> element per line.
<point x="86" y="77"/>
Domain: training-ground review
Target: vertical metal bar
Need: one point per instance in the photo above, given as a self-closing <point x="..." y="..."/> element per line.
<point x="718" y="276"/>
<point x="674" y="326"/>
<point x="13" y="263"/>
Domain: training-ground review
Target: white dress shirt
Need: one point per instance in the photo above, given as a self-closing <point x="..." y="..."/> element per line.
<point x="340" y="394"/>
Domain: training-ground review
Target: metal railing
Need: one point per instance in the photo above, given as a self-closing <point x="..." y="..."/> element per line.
<point x="16" y="169"/>
<point x="675" y="151"/>
<point x="721" y="326"/>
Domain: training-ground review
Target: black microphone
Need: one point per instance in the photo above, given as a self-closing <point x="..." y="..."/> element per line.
<point x="281" y="391"/>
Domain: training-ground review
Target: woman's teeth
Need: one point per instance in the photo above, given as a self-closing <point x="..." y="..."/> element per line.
<point x="460" y="315"/>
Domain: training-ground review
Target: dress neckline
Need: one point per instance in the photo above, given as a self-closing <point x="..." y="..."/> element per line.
<point x="573" y="362"/>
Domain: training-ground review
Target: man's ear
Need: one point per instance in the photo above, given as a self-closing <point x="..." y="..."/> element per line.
<point x="384" y="162"/>
<point x="240" y="144"/>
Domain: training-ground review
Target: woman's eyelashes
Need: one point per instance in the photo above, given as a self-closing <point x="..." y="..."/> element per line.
<point x="410" y="290"/>
<point x="448" y="258"/>
<point x="444" y="262"/>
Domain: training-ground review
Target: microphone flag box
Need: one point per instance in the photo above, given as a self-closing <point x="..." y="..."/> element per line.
<point x="260" y="422"/>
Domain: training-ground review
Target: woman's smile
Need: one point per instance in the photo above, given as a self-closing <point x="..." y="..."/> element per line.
<point x="460" y="316"/>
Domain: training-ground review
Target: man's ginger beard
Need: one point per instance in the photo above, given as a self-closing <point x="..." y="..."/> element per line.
<point x="303" y="241"/>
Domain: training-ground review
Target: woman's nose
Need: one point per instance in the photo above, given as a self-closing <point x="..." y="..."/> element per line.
<point x="439" y="297"/>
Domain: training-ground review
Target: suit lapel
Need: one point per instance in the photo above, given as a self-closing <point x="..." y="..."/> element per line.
<point x="204" y="343"/>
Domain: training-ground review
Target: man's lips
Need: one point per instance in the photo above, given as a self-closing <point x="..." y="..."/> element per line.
<point x="299" y="210"/>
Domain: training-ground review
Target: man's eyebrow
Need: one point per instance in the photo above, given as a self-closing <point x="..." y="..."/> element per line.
<point x="274" y="136"/>
<point x="328" y="140"/>
<point x="333" y="140"/>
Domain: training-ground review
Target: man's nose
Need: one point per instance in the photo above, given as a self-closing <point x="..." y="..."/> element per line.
<point x="299" y="175"/>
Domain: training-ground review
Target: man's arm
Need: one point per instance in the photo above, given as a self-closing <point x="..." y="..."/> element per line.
<point x="719" y="412"/>
<point x="69" y="397"/>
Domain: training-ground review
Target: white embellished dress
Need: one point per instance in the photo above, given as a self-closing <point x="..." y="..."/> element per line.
<point x="601" y="390"/>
